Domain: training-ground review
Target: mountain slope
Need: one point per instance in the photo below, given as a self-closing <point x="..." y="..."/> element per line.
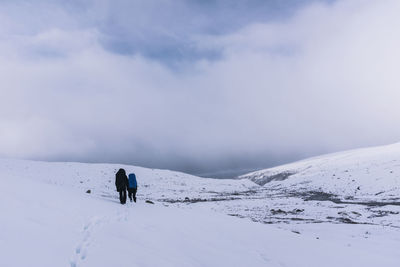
<point x="99" y="178"/>
<point x="45" y="225"/>
<point x="48" y="219"/>
<point x="363" y="174"/>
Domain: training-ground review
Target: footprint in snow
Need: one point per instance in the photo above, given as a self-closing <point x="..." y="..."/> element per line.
<point x="80" y="252"/>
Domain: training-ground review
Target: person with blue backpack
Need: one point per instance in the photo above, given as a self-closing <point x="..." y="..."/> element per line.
<point x="132" y="186"/>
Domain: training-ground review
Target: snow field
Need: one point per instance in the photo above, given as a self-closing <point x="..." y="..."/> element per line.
<point x="47" y="219"/>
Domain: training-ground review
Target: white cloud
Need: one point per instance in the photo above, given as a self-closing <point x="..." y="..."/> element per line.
<point x="323" y="80"/>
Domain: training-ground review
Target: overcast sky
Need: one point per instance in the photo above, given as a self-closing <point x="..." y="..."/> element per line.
<point x="201" y="86"/>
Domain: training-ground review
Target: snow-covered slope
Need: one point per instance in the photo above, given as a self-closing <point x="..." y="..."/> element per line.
<point x="44" y="225"/>
<point x="48" y="219"/>
<point x="363" y="174"/>
<point x="99" y="178"/>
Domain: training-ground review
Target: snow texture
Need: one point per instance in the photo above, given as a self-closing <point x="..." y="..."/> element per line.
<point x="335" y="210"/>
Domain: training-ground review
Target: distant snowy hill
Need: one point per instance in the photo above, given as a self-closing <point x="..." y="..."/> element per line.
<point x="48" y="219"/>
<point x="365" y="174"/>
<point x="99" y="178"/>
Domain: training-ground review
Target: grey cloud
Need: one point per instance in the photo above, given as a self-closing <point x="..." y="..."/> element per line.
<point x="278" y="90"/>
<point x="161" y="30"/>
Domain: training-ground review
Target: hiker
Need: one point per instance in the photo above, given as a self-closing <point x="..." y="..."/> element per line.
<point x="121" y="182"/>
<point x="132" y="186"/>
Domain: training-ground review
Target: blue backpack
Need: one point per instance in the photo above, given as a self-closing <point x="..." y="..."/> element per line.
<point x="132" y="181"/>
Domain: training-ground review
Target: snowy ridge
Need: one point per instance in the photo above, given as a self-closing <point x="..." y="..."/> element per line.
<point x="370" y="173"/>
<point x="99" y="178"/>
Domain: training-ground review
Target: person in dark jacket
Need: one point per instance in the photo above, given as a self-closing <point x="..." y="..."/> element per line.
<point x="121" y="182"/>
<point x="132" y="187"/>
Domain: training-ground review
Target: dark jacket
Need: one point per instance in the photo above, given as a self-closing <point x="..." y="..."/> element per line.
<point x="121" y="180"/>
